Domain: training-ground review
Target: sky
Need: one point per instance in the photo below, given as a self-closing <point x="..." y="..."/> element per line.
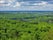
<point x="26" y="5"/>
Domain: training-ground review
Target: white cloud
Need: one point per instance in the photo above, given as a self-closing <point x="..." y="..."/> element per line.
<point x="4" y="3"/>
<point x="42" y="3"/>
<point x="11" y="1"/>
<point x="14" y="5"/>
<point x="1" y="1"/>
<point x="17" y="4"/>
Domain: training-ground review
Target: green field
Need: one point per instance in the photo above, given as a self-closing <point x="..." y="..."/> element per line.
<point x="26" y="26"/>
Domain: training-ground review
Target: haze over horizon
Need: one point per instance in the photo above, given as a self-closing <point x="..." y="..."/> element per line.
<point x="26" y="5"/>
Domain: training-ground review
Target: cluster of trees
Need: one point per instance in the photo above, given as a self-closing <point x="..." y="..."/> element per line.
<point x="12" y="28"/>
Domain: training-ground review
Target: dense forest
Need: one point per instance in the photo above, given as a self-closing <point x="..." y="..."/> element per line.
<point x="26" y="26"/>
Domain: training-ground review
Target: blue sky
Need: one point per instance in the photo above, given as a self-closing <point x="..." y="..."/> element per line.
<point x="22" y="5"/>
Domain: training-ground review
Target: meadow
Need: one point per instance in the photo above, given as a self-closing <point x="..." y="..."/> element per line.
<point x="26" y="25"/>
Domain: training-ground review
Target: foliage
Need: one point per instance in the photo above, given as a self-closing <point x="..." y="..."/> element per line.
<point x="26" y="26"/>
